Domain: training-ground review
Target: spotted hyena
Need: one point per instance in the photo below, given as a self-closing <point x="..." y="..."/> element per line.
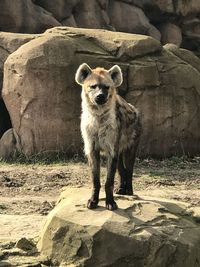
<point x="109" y="125"/>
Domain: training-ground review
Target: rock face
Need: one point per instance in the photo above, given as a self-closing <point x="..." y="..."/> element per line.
<point x="9" y="42"/>
<point x="44" y="102"/>
<point x="120" y="14"/>
<point x="24" y="16"/>
<point x="142" y="232"/>
<point x="8" y="145"/>
<point x="171" y="33"/>
<point x="133" y="16"/>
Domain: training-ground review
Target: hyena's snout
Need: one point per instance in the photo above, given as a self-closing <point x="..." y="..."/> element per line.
<point x="101" y="98"/>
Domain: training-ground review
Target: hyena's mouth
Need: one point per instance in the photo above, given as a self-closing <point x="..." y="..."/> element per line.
<point x="100" y="99"/>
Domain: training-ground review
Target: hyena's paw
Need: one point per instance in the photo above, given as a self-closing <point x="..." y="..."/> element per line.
<point x="111" y="205"/>
<point x="92" y="204"/>
<point x="120" y="191"/>
<point x="129" y="192"/>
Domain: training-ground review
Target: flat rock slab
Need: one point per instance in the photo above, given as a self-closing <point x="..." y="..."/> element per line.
<point x="144" y="231"/>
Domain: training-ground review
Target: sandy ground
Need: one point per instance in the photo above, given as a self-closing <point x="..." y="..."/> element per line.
<point x="28" y="192"/>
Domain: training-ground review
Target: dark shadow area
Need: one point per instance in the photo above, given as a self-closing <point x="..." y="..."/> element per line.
<point x="5" y="122"/>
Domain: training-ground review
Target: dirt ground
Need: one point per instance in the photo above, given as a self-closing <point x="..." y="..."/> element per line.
<point x="29" y="191"/>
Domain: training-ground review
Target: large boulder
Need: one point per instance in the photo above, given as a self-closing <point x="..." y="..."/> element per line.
<point x="91" y="15"/>
<point x="166" y="90"/>
<point x="167" y="8"/>
<point x="156" y="10"/>
<point x="191" y="33"/>
<point x="24" y="16"/>
<point x="45" y="104"/>
<point x="62" y="9"/>
<point x="9" y="42"/>
<point x="185" y="55"/>
<point x="44" y="101"/>
<point x="122" y="13"/>
<point x="142" y="232"/>
<point x="170" y="33"/>
<point x="8" y="145"/>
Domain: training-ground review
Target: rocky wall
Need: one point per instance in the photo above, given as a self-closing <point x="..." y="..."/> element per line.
<point x="44" y="102"/>
<point x="174" y="21"/>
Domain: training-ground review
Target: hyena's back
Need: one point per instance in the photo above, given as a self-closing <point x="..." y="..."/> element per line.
<point x="129" y="126"/>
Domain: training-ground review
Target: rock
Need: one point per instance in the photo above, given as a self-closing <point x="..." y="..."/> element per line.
<point x="163" y="84"/>
<point x="118" y="44"/>
<point x="185" y="55"/>
<point x="14" y="256"/>
<point x="167" y="104"/>
<point x="142" y="232"/>
<point x="195" y="213"/>
<point x="186" y="8"/>
<point x="28" y="103"/>
<point x="157" y="11"/>
<point x="9" y="42"/>
<point x="163" y="6"/>
<point x="191" y="26"/>
<point x="61" y="10"/>
<point x="24" y="16"/>
<point x="54" y="55"/>
<point x="26" y="244"/>
<point x="103" y="4"/>
<point x="8" y="146"/>
<point x="171" y="33"/>
<point x="69" y="22"/>
<point x="133" y="16"/>
<point x="191" y="33"/>
<point x="90" y="15"/>
<point x="121" y="14"/>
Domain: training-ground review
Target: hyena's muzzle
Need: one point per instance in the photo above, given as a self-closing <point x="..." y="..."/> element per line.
<point x="101" y="94"/>
<point x="101" y="98"/>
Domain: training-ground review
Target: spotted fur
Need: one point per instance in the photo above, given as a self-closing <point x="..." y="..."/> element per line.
<point x="109" y="125"/>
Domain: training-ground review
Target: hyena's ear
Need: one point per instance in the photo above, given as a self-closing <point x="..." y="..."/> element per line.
<point x="116" y="75"/>
<point x="82" y="73"/>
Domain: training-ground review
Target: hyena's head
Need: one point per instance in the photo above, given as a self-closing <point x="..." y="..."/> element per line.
<point x="99" y="85"/>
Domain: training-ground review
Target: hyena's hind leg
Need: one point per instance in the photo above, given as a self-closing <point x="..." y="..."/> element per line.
<point x="125" y="169"/>
<point x="121" y="189"/>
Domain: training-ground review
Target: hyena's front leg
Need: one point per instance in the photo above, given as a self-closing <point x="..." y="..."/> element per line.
<point x="109" y="186"/>
<point x="94" y="163"/>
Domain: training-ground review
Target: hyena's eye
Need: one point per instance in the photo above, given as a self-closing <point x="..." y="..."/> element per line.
<point x="93" y="86"/>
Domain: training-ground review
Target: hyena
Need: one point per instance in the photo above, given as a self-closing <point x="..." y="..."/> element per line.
<point x="109" y="125"/>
